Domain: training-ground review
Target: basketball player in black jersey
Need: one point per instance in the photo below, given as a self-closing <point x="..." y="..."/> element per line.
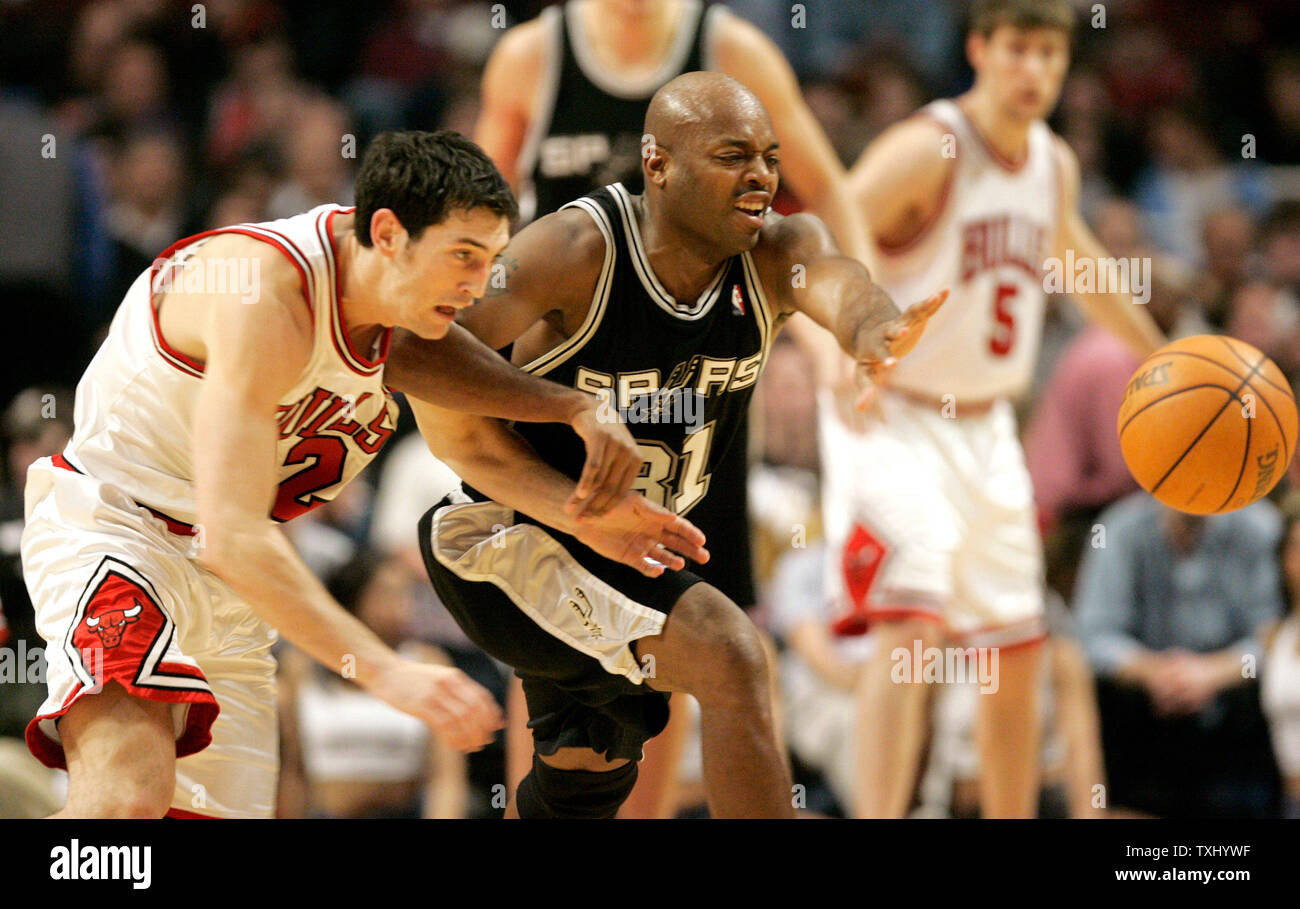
<point x="668" y="301"/>
<point x="564" y="103"/>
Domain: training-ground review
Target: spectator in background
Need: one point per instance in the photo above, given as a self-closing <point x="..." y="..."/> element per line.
<point x="317" y="169"/>
<point x="1170" y="607"/>
<point x="818" y="674"/>
<point x="1279" y="139"/>
<point x="347" y="754"/>
<point x="1280" y="682"/>
<point x="1228" y="236"/>
<point x="254" y="104"/>
<point x="146" y="211"/>
<point x="1187" y="178"/>
<point x="1266" y="312"/>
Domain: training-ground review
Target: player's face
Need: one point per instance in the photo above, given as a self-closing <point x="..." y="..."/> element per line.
<point x="1023" y="68"/>
<point x="447" y="269"/>
<point x="730" y="180"/>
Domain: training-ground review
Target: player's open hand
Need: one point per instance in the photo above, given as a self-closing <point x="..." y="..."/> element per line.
<point x="613" y="460"/>
<point x="643" y="535"/>
<point x="451" y="703"/>
<point x="880" y="348"/>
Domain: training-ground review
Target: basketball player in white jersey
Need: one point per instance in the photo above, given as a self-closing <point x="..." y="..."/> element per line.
<point x="928" y="505"/>
<point x="564" y="99"/>
<point x="244" y="370"/>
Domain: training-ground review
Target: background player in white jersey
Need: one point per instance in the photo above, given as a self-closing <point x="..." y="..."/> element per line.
<point x="156" y="574"/>
<point x="929" y="509"/>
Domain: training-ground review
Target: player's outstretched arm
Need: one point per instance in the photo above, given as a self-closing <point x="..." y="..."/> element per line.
<point x="254" y="354"/>
<point x="500" y="464"/>
<point x="837" y="293"/>
<point x="1117" y="312"/>
<point x="809" y="163"/>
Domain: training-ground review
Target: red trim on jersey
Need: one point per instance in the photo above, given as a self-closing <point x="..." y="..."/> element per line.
<point x="898" y="249"/>
<point x="183" y="815"/>
<point x="857" y="620"/>
<point x="59" y="460"/>
<point x="188" y="365"/>
<point x="175" y="526"/>
<point x="355" y="361"/>
<point x="999" y="159"/>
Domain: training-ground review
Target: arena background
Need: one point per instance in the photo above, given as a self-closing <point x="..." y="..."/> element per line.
<point x="126" y="124"/>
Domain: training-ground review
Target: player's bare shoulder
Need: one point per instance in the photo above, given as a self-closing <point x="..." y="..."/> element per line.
<point x="232" y="279"/>
<point x="786" y="246"/>
<point x="899" y="180"/>
<point x="514" y="69"/>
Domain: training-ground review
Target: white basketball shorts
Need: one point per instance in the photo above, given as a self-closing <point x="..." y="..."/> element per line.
<point x="933" y="517"/>
<point x="119" y="595"/>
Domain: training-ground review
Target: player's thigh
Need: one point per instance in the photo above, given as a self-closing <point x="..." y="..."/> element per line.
<point x="707" y="643"/>
<point x="119" y="748"/>
<point x="580" y="759"/>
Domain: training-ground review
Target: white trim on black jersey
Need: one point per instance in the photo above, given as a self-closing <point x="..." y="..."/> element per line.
<point x="649" y="280"/>
<point x="764" y="316"/>
<point x="621" y="86"/>
<point x="599" y="299"/>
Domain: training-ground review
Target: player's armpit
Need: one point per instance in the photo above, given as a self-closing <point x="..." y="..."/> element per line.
<point x="898" y="181"/>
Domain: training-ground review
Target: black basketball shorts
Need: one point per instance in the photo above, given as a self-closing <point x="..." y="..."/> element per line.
<point x="563" y="616"/>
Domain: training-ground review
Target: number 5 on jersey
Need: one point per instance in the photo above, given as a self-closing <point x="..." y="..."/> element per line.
<point x="1004" y="331"/>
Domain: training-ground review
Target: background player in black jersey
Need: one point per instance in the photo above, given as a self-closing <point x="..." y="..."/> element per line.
<point x="596" y="643"/>
<point x="564" y="102"/>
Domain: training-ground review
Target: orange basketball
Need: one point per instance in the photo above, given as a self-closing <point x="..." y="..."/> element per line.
<point x="1208" y="424"/>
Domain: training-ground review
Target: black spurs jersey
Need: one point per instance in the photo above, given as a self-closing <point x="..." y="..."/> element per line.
<point x="679" y="374"/>
<point x="587" y="130"/>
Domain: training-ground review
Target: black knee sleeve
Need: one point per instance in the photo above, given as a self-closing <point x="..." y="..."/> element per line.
<point x="584" y="794"/>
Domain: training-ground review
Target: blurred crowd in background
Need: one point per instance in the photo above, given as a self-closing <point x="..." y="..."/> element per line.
<point x="127" y="124"/>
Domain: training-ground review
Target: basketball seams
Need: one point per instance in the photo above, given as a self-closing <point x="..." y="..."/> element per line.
<point x="1232" y="395"/>
<point x="1241" y="471"/>
<point x="1244" y="361"/>
<point x="1173" y="394"/>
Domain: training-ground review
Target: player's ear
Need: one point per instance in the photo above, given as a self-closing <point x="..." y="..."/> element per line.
<point x="386" y="232"/>
<point x="654" y="161"/>
<point x="976" y="45"/>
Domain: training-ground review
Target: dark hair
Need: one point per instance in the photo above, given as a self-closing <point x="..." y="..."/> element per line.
<point x="1282" y="218"/>
<point x="423" y="177"/>
<point x="987" y="15"/>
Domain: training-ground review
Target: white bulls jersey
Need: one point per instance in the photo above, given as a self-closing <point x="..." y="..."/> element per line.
<point x="995" y="227"/>
<point x="136" y="402"/>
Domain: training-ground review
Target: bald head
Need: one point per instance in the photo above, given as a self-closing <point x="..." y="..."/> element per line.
<point x="700" y="104"/>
